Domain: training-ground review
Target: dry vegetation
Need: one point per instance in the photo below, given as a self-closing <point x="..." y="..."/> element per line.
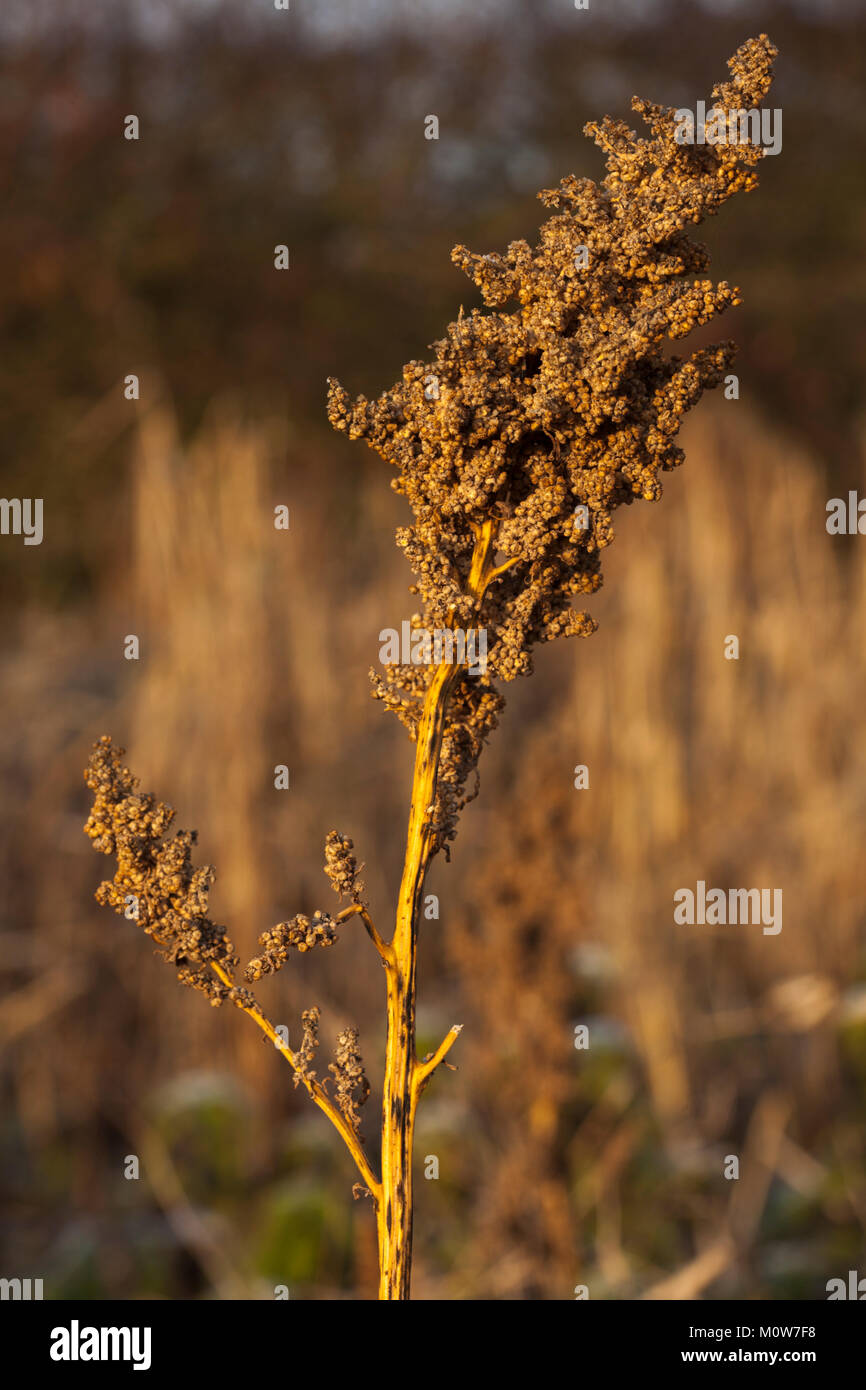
<point x="560" y="899"/>
<point x="556" y="1166"/>
<point x="513" y="446"/>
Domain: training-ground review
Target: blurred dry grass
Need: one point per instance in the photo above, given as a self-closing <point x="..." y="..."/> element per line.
<point x="557" y="1166"/>
<point x="741" y="773"/>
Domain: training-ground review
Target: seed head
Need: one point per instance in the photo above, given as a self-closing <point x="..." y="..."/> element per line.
<point x="155" y="883"/>
<point x="351" y="1088"/>
<point x="342" y="867"/>
<point x="564" y="406"/>
<point x="301" y="934"/>
<point x="306" y="1053"/>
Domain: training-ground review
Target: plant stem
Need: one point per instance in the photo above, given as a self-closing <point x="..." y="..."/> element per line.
<point x="405" y="1076"/>
<point x="398" y="1106"/>
<point x="325" y="1104"/>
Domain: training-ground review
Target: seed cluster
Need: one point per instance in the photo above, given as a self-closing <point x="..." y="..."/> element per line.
<point x="301" y="934"/>
<point x="547" y="418"/>
<point x="351" y="1088"/>
<point x="306" y="1053"/>
<point x="155" y="882"/>
<point x="168" y="897"/>
<point x="342" y="867"/>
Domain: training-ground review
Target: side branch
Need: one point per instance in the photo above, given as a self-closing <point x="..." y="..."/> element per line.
<point x="358" y="910"/>
<point x="317" y="1092"/>
<point x="499" y="569"/>
<point x="422" y="1071"/>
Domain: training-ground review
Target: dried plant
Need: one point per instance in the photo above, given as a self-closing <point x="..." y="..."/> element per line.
<point x="514" y="445"/>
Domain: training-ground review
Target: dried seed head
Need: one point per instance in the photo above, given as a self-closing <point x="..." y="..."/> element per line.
<point x="243" y="998"/>
<point x="301" y="934"/>
<point x="351" y="1088"/>
<point x="342" y="867"/>
<point x="155" y="883"/>
<point x="567" y="405"/>
<point x="306" y="1053"/>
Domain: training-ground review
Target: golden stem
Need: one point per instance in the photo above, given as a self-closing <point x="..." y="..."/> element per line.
<point x="404" y="1074"/>
<point x="358" y="909"/>
<point x="348" y="1135"/>
<point x="424" y="1070"/>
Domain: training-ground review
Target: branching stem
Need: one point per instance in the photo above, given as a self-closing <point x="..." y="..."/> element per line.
<point x="319" y="1095"/>
<point x="404" y="1074"/>
<point x="424" y="1070"/>
<point x="381" y="946"/>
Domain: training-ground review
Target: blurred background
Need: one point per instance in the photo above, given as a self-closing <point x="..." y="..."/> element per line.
<point x="557" y="1166"/>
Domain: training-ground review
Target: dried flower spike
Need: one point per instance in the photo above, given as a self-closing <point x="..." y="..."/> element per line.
<point x="306" y="1053"/>
<point x="301" y="934"/>
<point x="342" y="868"/>
<point x="539" y="422"/>
<point x="351" y="1085"/>
<point x="155" y="883"/>
<point x="169" y="897"/>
